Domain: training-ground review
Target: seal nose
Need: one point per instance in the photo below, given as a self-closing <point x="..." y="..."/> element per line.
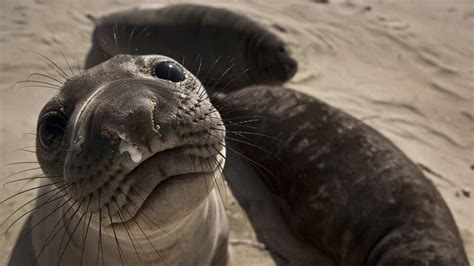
<point x="125" y="112"/>
<point x="290" y="67"/>
<point x="135" y="110"/>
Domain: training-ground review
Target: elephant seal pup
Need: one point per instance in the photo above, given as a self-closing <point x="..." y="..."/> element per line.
<point x="137" y="147"/>
<point x="342" y="187"/>
<point x="222" y="48"/>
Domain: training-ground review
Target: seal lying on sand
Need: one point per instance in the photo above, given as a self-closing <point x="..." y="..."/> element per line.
<point x="221" y="48"/>
<point x="342" y="187"/>
<point x="134" y="149"/>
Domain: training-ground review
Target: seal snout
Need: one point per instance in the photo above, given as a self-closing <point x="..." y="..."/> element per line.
<point x="275" y="62"/>
<point x="290" y="67"/>
<point x="125" y="129"/>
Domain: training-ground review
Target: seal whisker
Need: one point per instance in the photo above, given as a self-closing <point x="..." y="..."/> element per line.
<point x="52" y="234"/>
<point x="238" y="125"/>
<point x="17" y="163"/>
<point x="78" y="65"/>
<point x="215" y="178"/>
<point x="134" y="237"/>
<point x="258" y="147"/>
<point x="67" y="63"/>
<point x="24" y="150"/>
<point x="20" y="172"/>
<point x="202" y="94"/>
<point x="200" y="65"/>
<point x="242" y="122"/>
<point x="30" y="179"/>
<point x="38" y="86"/>
<point x="73" y="232"/>
<point x="58" y="207"/>
<point x="122" y="221"/>
<point x="144" y="234"/>
<point x="217" y="184"/>
<point x="202" y="91"/>
<point x="182" y="61"/>
<point x="104" y="54"/>
<point x="33" y="199"/>
<point x="99" y="246"/>
<point x="133" y="190"/>
<point x="47" y="216"/>
<point x="144" y="31"/>
<point x="243" y="136"/>
<point x="205" y="180"/>
<point x="64" y="227"/>
<point x="52" y="64"/>
<point x="254" y="163"/>
<point x="220" y="77"/>
<point x="30" y="134"/>
<point x="85" y="238"/>
<point x="114" y="33"/>
<point x="26" y="147"/>
<point x="27" y="81"/>
<point x="45" y="76"/>
<point x="243" y="133"/>
<point x="256" y="118"/>
<point x="115" y="235"/>
<point x="210" y="68"/>
<point x="48" y="200"/>
<point x="130" y="40"/>
<point x="222" y="105"/>
<point x="237" y="76"/>
<point x="30" y="189"/>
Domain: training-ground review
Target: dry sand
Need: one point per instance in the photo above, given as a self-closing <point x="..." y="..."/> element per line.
<point x="405" y="67"/>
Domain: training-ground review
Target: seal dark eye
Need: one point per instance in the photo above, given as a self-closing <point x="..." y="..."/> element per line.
<point x="169" y="71"/>
<point x="51" y="130"/>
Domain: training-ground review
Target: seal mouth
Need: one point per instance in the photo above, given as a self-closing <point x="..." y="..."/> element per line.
<point x="133" y="188"/>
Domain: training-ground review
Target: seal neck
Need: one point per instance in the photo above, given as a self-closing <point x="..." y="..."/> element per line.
<point x="200" y="238"/>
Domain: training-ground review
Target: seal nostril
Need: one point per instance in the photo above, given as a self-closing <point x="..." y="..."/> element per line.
<point x="290" y="66"/>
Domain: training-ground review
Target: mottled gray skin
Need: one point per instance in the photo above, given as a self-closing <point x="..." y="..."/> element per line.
<point x="135" y="157"/>
<point x="342" y="187"/>
<point x="222" y="48"/>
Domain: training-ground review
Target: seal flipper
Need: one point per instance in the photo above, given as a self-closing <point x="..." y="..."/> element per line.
<point x="23" y="252"/>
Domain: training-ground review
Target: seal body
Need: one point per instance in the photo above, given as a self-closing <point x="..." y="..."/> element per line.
<point x="222" y="48"/>
<point x="133" y="149"/>
<point x="343" y="187"/>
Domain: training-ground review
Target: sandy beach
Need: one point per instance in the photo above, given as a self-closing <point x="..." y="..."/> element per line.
<point x="404" y="67"/>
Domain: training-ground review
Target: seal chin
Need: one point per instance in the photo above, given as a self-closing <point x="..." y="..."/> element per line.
<point x="168" y="177"/>
<point x="124" y="180"/>
<point x="170" y="185"/>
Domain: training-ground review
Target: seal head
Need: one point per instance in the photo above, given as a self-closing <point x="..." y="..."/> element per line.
<point x="120" y="129"/>
<point x="274" y="61"/>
